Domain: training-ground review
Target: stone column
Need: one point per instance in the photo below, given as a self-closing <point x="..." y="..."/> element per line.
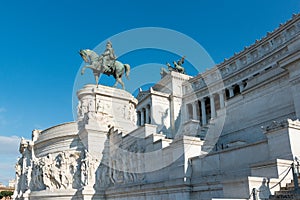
<point x="203" y="111"/>
<point x="142" y="117"/>
<point x="231" y="94"/>
<point x="147" y="115"/>
<point x="194" y="110"/>
<point x="212" y="106"/>
<point x="186" y="112"/>
<point x="151" y="116"/>
<point x="241" y="86"/>
<point x="222" y="102"/>
<point x="138" y="114"/>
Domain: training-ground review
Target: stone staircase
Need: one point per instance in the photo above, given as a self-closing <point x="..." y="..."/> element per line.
<point x="287" y="192"/>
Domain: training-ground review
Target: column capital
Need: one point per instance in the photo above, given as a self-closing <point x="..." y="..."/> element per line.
<point x="221" y="91"/>
<point x="202" y="99"/>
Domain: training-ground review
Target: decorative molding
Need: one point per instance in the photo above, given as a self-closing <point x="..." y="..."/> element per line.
<point x="266" y="84"/>
<point x="294" y="123"/>
<point x="142" y="94"/>
<point x="254" y="55"/>
<point x="286" y="123"/>
<point x="275" y="125"/>
<point x="59" y="128"/>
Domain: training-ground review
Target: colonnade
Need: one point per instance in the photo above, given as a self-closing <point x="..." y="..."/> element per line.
<point x="202" y="109"/>
<point x="206" y="107"/>
<point x="144" y="115"/>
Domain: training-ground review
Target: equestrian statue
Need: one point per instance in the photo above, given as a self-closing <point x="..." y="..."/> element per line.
<point x="106" y="63"/>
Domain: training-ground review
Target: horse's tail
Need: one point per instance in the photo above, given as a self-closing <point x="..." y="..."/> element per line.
<point x="127" y="70"/>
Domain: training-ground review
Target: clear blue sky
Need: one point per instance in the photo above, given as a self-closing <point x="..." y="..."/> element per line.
<point x="40" y="42"/>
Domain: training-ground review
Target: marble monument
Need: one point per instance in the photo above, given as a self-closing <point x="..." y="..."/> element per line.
<point x="218" y="135"/>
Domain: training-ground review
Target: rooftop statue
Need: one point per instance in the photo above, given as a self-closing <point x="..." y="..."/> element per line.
<point x="177" y="66"/>
<point x="106" y="63"/>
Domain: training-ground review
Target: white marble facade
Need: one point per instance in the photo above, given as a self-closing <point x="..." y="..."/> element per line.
<point x="214" y="136"/>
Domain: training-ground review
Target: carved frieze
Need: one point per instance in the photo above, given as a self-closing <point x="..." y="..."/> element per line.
<point x="126" y="164"/>
<point x="256" y="54"/>
<point x="54" y="171"/>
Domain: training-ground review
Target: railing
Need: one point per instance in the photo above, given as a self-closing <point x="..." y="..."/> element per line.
<point x="295" y="171"/>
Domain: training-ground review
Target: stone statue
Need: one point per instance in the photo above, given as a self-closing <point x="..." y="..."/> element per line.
<point x="177" y="66"/>
<point x="131" y="113"/>
<point x="35" y="135"/>
<point x="18" y="168"/>
<point x="99" y="107"/>
<point x="84" y="173"/>
<point x="79" y="110"/>
<point x="84" y="108"/>
<point x="26" y="165"/>
<point x="37" y="176"/>
<point x="106" y="64"/>
<point x="88" y="168"/>
<point x="47" y="161"/>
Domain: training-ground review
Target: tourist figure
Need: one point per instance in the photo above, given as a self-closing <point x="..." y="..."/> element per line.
<point x="264" y="189"/>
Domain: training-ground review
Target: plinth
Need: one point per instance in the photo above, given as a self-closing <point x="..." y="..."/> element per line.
<point x="101" y="108"/>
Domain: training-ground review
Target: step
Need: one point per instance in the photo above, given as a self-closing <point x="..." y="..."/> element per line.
<point x="284" y="192"/>
<point x="289" y="185"/>
<point x="285" y="197"/>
